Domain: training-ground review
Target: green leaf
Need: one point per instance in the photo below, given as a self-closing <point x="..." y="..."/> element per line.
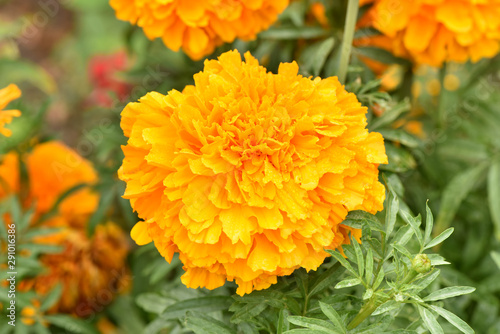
<point x="430" y="321"/>
<point x="202" y="304"/>
<point x="326" y="279"/>
<point x="70" y="324"/>
<point x="387" y="307"/>
<point x="379" y="54"/>
<point x="342" y="261"/>
<point x="291" y="32"/>
<point x="391" y="213"/>
<point x="390" y="115"/>
<point x="333" y="316"/>
<point x="449" y="293"/>
<point x="283" y="324"/>
<point x="105" y="201"/>
<point x="494" y="195"/>
<point x="426" y="280"/>
<point x="204" y="324"/>
<point x="153" y="302"/>
<point x="400" y="160"/>
<point x="369" y="265"/>
<point x="315" y="324"/>
<point x="429" y="223"/>
<point x="440" y="238"/>
<point x="403" y="251"/>
<point x="360" y="261"/>
<point x="400" y="136"/>
<point x="378" y="280"/>
<point x="314" y="57"/>
<point x="455" y="192"/>
<point x="496" y="258"/>
<point x="348" y="283"/>
<point x="50" y="299"/>
<point x="414" y="223"/>
<point x="453" y="319"/>
<point x="19" y="71"/>
<point x="306" y="331"/>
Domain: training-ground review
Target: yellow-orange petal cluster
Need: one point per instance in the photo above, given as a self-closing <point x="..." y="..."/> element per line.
<point x="92" y="269"/>
<point x="437" y="31"/>
<point x="7" y="94"/>
<point x="198" y="27"/>
<point x="248" y="175"/>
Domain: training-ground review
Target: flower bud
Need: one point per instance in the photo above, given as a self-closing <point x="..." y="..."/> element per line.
<point x="421" y="263"/>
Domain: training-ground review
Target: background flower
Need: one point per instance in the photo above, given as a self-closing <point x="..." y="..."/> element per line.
<point x="433" y="32"/>
<point x="248" y="174"/>
<point x="199" y="27"/>
<point x="7" y="94"/>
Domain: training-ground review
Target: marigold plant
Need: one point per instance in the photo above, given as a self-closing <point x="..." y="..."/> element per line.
<point x="86" y="266"/>
<point x="7" y="94"/>
<point x="433" y="32"/>
<point x="199" y="27"/>
<point x="248" y="174"/>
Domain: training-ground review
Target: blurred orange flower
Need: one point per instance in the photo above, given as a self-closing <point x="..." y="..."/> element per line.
<point x="92" y="269"/>
<point x="248" y="175"/>
<point x="438" y="31"/>
<point x="199" y="27"/>
<point x="7" y="94"/>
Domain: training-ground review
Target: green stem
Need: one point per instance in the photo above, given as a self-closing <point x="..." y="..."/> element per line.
<point x="350" y="26"/>
<point x="443" y="99"/>
<point x="372" y="304"/>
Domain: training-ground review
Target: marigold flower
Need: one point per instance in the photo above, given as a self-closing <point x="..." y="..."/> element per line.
<point x="7" y="94"/>
<point x="90" y="270"/>
<point x="248" y="174"/>
<point x="433" y="32"/>
<point x="199" y="27"/>
<point x="53" y="168"/>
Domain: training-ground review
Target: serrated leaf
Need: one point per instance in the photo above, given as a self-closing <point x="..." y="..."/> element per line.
<point x="391" y="214"/>
<point x="494" y="196"/>
<point x="348" y="283"/>
<point x="455" y="192"/>
<point x="360" y="261"/>
<point x="440" y="238"/>
<point x="430" y="322"/>
<point x="429" y="223"/>
<point x="387" y="307"/>
<point x="70" y="324"/>
<point x="202" y="304"/>
<point x="283" y="324"/>
<point x="314" y="324"/>
<point x="449" y="293"/>
<point x="333" y="316"/>
<point x="369" y="265"/>
<point x="153" y="302"/>
<point x="326" y="279"/>
<point x="204" y="324"/>
<point x="414" y="223"/>
<point x="342" y="261"/>
<point x="453" y="319"/>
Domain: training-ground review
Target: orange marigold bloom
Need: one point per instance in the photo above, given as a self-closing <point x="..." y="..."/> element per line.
<point x="90" y="270"/>
<point x="248" y="175"/>
<point x="436" y="31"/>
<point x="198" y="27"/>
<point x="7" y="94"/>
<point x="53" y="168"/>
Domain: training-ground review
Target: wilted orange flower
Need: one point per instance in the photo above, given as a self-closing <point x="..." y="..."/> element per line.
<point x="436" y="31"/>
<point x="248" y="174"/>
<point x="199" y="27"/>
<point x="7" y="94"/>
<point x="90" y="270"/>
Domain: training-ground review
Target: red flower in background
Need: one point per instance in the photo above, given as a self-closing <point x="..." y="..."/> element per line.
<point x="104" y="76"/>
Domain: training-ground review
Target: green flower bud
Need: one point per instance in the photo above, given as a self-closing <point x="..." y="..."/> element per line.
<point x="421" y="263"/>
